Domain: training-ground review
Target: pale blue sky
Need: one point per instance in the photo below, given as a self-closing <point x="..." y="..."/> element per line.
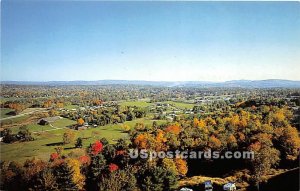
<point x="173" y="41"/>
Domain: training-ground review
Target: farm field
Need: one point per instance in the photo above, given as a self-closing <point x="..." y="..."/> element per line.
<point x="181" y="105"/>
<point x="15" y="120"/>
<point x="71" y="107"/>
<point x="46" y="142"/>
<point x="4" y="112"/>
<point x="135" y="103"/>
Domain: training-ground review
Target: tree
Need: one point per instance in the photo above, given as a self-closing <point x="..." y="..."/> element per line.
<point x="169" y="164"/>
<point x="68" y="137"/>
<point x="231" y="141"/>
<point x="54" y="156"/>
<point x="119" y="180"/>
<point x="18" y="107"/>
<point x="47" y="104"/>
<point x="8" y="137"/>
<point x="156" y="178"/>
<point x="95" y="169"/>
<point x="78" y="143"/>
<point x="60" y="104"/>
<point x="96" y="148"/>
<point x="64" y="177"/>
<point x="265" y="157"/>
<point x="45" y="181"/>
<point x="201" y="123"/>
<point x="160" y="140"/>
<point x="195" y="122"/>
<point x="214" y="142"/>
<point x="77" y="177"/>
<point x="113" y="167"/>
<point x="290" y="143"/>
<point x="125" y="127"/>
<point x="11" y="176"/>
<point x="24" y="134"/>
<point x="144" y="141"/>
<point x="173" y="129"/>
<point x="80" y="121"/>
<point x="181" y="166"/>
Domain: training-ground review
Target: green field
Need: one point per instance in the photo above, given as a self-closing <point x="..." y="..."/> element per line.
<point x="71" y="107"/>
<point x="181" y="105"/>
<point x="46" y="142"/>
<point x="135" y="103"/>
<point x="14" y="120"/>
<point x="4" y="112"/>
<point x="33" y="128"/>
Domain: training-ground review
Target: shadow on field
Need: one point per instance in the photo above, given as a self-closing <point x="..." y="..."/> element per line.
<point x="55" y="144"/>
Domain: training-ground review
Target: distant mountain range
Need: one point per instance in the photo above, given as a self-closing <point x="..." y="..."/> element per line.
<point x="270" y="83"/>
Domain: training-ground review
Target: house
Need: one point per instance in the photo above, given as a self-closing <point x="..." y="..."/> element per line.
<point x="208" y="185"/>
<point x="43" y="122"/>
<point x="47" y="120"/>
<point x="230" y="186"/>
<point x="186" y="189"/>
<point x="168" y="118"/>
<point x="81" y="128"/>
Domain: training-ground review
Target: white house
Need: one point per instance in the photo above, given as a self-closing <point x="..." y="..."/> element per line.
<point x="186" y="189"/>
<point x="208" y="185"/>
<point x="229" y="186"/>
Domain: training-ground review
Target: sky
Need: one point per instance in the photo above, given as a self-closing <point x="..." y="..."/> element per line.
<point x="154" y="41"/>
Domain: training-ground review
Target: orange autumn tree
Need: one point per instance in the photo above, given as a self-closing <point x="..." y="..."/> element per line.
<point x="47" y="104"/>
<point x="231" y="141"/>
<point x="144" y="141"/>
<point x="160" y="140"/>
<point x="17" y="107"/>
<point x="60" y="104"/>
<point x="181" y="166"/>
<point x="80" y="121"/>
<point x="97" y="102"/>
<point x="175" y="129"/>
<point x="196" y="122"/>
<point x="214" y="142"/>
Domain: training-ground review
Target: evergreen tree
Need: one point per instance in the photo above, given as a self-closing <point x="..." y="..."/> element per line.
<point x="95" y="169"/>
<point x="64" y="178"/>
<point x="78" y="143"/>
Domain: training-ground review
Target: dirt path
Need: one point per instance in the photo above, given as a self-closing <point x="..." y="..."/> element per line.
<point x="54" y="128"/>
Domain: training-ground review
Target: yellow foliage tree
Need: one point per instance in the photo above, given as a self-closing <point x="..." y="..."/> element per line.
<point x="170" y="165"/>
<point x="77" y="177"/>
<point x="196" y="122"/>
<point x="201" y="123"/>
<point x="125" y="127"/>
<point x="181" y="166"/>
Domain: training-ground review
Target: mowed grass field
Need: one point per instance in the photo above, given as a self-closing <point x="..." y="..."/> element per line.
<point x="46" y="142"/>
<point x="135" y="103"/>
<point x="181" y="105"/>
<point x="15" y="120"/>
<point x="4" y="112"/>
<point x="71" y="107"/>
